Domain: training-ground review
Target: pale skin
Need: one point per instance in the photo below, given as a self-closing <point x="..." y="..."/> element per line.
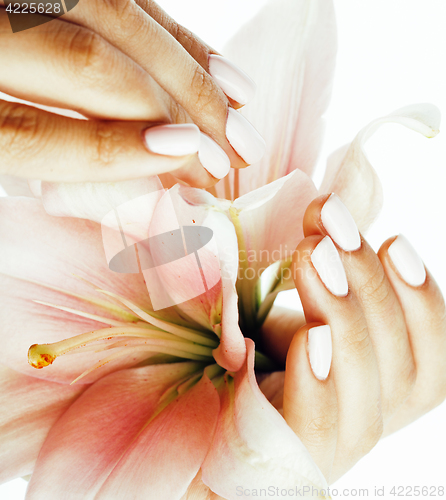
<point x="389" y="351"/>
<point x="384" y="374"/>
<point x="90" y="61"/>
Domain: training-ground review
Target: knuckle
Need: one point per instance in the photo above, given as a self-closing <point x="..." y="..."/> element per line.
<point x="119" y="7"/>
<point x="109" y="143"/>
<point x="375" y="287"/>
<point x="121" y="14"/>
<point x="203" y="88"/>
<point x="20" y="134"/>
<point x="90" y="55"/>
<point x="320" y="428"/>
<point x="356" y="341"/>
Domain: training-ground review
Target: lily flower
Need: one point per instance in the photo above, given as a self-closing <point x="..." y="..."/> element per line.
<point x="166" y="404"/>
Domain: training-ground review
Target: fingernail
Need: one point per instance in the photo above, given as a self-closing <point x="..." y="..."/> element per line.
<point x="340" y="224"/>
<point x="173" y="140"/>
<point x="328" y="264"/>
<point x="234" y="82"/>
<point x="244" y="138"/>
<point x="407" y="261"/>
<point x="212" y="157"/>
<point x="320" y="350"/>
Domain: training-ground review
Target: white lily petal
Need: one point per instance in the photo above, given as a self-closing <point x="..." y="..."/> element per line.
<point x="288" y="49"/>
<point x="93" y="200"/>
<point x="349" y="173"/>
<point x="254" y="447"/>
<point x="14" y="186"/>
<point x="271" y="218"/>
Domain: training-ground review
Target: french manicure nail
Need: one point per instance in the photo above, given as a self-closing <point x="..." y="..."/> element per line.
<point x="340" y="224"/>
<point x="234" y="82"/>
<point x="212" y="157"/>
<point x="320" y="350"/>
<point x="244" y="138"/>
<point x="173" y="140"/>
<point x="328" y="264"/>
<point x="407" y="261"/>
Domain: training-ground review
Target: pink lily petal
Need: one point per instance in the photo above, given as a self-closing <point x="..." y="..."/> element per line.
<point x="231" y="352"/>
<point x="349" y="173"/>
<point x="164" y="459"/>
<point x="218" y="305"/>
<point x="253" y="446"/>
<point x="28" y="409"/>
<point x="289" y="50"/>
<point x="94" y="200"/>
<point x="105" y="424"/>
<point x="40" y="252"/>
<point x="271" y="219"/>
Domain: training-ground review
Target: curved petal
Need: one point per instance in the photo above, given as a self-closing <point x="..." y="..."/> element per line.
<point x="88" y="441"/>
<point x="349" y="173"/>
<point x="54" y="260"/>
<point x="289" y="50"/>
<point x="271" y="220"/>
<point x="199" y="491"/>
<point x="93" y="200"/>
<point x="253" y="446"/>
<point x="164" y="459"/>
<point x="29" y="407"/>
<point x="219" y="304"/>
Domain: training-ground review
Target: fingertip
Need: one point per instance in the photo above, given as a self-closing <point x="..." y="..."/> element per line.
<point x="399" y="254"/>
<point x="313" y="339"/>
<point x="312" y="223"/>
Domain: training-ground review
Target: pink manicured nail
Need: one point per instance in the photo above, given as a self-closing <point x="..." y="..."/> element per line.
<point x="328" y="264"/>
<point x="320" y="350"/>
<point x="173" y="140"/>
<point x="244" y="138"/>
<point x="234" y="82"/>
<point x="340" y="224"/>
<point x="212" y="157"/>
<point x="407" y="261"/>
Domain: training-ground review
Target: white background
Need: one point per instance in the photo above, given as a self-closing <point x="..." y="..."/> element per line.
<point x="391" y="53"/>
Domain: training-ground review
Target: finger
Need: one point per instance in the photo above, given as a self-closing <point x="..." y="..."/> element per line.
<point x="424" y="311"/>
<point x="327" y="215"/>
<point x="322" y="285"/>
<point x="36" y="144"/>
<point x="63" y="65"/>
<point x="309" y="399"/>
<point x="186" y="81"/>
<point x="278" y="331"/>
<point x="235" y="83"/>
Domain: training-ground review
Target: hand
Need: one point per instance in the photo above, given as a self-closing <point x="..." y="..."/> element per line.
<point x="388" y="339"/>
<point x="128" y="67"/>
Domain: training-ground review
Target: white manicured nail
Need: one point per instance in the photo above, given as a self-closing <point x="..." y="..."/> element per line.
<point x="407" y="261"/>
<point x="244" y="138"/>
<point x="340" y="224"/>
<point x="212" y="157"/>
<point x="173" y="140"/>
<point x="234" y="82"/>
<point x="320" y="350"/>
<point x="328" y="264"/>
